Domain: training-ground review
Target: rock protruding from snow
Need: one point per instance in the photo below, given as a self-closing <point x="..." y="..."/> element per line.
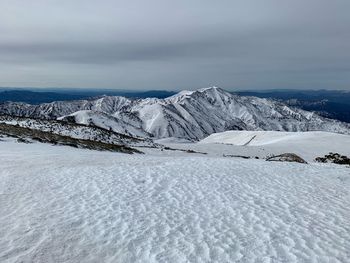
<point x="286" y="157"/>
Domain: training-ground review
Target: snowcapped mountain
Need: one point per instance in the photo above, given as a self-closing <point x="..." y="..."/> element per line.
<point x="53" y="110"/>
<point x="189" y="114"/>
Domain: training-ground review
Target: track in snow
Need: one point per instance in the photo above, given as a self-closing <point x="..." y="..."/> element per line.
<point x="66" y="205"/>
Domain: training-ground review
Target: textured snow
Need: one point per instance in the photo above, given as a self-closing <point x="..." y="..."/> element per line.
<point x="60" y="204"/>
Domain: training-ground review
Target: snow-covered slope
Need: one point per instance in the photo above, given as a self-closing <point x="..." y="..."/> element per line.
<point x="60" y="204"/>
<point x="106" y="121"/>
<point x="76" y="131"/>
<point x="259" y="138"/>
<point x="190" y="114"/>
<point x="306" y="144"/>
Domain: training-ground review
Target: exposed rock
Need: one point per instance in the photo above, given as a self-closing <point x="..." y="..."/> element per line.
<point x="286" y="157"/>
<point x="334" y="158"/>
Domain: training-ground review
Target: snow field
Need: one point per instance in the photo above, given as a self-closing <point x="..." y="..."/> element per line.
<point x="60" y="204"/>
<point x="306" y="144"/>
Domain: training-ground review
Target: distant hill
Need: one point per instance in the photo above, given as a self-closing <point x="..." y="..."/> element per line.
<point x="338" y="96"/>
<point x="327" y="103"/>
<point x="38" y="97"/>
<point x="32" y="97"/>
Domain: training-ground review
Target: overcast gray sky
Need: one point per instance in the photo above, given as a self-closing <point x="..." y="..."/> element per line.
<point x="182" y="44"/>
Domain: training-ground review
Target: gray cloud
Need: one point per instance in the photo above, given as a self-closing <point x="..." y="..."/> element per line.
<point x="163" y="44"/>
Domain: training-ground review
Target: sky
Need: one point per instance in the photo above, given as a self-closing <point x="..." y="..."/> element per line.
<point x="175" y="45"/>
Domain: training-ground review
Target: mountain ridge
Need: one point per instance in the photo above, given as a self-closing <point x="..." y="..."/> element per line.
<point x="188" y="114"/>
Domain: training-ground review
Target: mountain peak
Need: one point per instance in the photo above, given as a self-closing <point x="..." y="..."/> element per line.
<point x="212" y="88"/>
<point x="215" y="92"/>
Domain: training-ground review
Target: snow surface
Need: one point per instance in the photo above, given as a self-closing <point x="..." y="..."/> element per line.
<point x="259" y="138"/>
<point x="308" y="145"/>
<point x="60" y="204"/>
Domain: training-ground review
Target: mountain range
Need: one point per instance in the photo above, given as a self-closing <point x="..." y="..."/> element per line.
<point x="191" y="115"/>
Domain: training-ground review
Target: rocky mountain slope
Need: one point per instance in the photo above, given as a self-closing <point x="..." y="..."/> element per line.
<point x="189" y="114"/>
<point x="72" y="130"/>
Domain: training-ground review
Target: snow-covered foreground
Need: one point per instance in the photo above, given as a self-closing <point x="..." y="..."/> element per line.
<point x="60" y="204"/>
